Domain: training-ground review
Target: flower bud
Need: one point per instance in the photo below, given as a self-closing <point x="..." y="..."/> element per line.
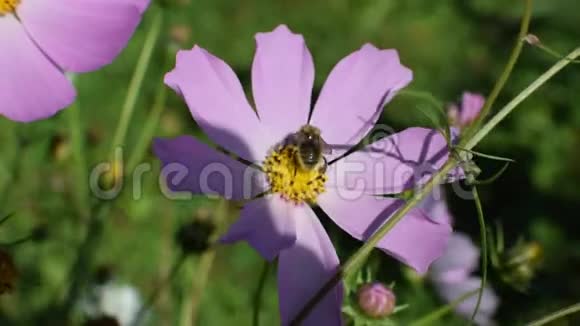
<point x="8" y="272"/>
<point x="376" y="300"/>
<point x="194" y="237"/>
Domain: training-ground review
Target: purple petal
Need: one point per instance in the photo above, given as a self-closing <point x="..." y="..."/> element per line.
<point x="302" y="271"/>
<point x="360" y="215"/>
<point x="140" y="4"/>
<point x="392" y="164"/>
<point x="191" y="166"/>
<point x="461" y="258"/>
<point x="218" y="104"/>
<point x="471" y="105"/>
<point x="450" y="291"/>
<point x="282" y="79"/>
<point x="80" y="36"/>
<point x="31" y="87"/>
<point x="355" y="92"/>
<point x="267" y="224"/>
<point x="435" y="206"/>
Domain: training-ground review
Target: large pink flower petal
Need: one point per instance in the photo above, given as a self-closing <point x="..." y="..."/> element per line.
<point x="302" y="271"/>
<point x="361" y="215"/>
<point x="191" y="166"/>
<point x="282" y="79"/>
<point x="31" y="87"/>
<point x="268" y="224"/>
<point x="218" y="104"/>
<point x="355" y="92"/>
<point x="392" y="164"/>
<point x="80" y="36"/>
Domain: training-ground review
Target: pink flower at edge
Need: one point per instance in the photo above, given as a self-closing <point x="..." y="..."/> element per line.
<point x="451" y="274"/>
<point x="348" y="107"/>
<point x="468" y="110"/>
<point x="43" y="39"/>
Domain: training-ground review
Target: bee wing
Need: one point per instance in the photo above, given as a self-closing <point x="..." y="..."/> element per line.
<point x="326" y="148"/>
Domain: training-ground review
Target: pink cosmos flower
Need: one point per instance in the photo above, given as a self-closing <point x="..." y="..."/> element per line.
<point x="280" y="222"/>
<point x="471" y="105"/>
<point x="41" y="39"/>
<point x="451" y="276"/>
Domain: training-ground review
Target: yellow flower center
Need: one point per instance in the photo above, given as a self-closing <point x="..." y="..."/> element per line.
<point x="290" y="180"/>
<point x="8" y="6"/>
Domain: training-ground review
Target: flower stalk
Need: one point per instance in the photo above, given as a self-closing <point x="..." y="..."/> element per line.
<point x="137" y="80"/>
<point x="500" y="83"/>
<point x="78" y="150"/>
<point x="556" y="315"/>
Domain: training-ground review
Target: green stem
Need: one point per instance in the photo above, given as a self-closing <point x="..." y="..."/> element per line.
<point x="155" y="294"/>
<point x="500" y="83"/>
<point x="556" y="315"/>
<point x="506" y="110"/>
<point x="78" y="151"/>
<point x="257" y="302"/>
<point x="79" y="274"/>
<point x="149" y="129"/>
<point x="203" y="269"/>
<point x="483" y="233"/>
<point x="137" y="81"/>
<point x="439" y="313"/>
<point x="551" y="52"/>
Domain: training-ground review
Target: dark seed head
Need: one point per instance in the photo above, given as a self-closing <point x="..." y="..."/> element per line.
<point x="194" y="237"/>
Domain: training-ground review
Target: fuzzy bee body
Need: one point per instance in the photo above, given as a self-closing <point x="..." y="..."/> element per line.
<point x="311" y="148"/>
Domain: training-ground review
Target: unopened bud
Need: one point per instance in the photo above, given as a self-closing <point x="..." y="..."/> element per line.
<point x="532" y="39"/>
<point x="376" y="300"/>
<point x="194" y="237"/>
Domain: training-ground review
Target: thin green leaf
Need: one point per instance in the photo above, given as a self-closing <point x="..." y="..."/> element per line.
<point x="491" y="157"/>
<point x="493" y="177"/>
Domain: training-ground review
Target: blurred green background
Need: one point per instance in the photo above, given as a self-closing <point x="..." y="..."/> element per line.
<point x="451" y="46"/>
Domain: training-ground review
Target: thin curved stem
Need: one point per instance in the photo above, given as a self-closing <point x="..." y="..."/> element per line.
<point x="144" y="139"/>
<point x="137" y="81"/>
<point x="506" y="110"/>
<point x="483" y="233"/>
<point x="556" y="315"/>
<point x="439" y="313"/>
<point x="155" y="294"/>
<point x="257" y="302"/>
<point x="78" y="151"/>
<point x="500" y="83"/>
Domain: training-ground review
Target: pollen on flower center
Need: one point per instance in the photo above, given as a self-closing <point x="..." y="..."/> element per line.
<point x="289" y="179"/>
<point x="8" y="6"/>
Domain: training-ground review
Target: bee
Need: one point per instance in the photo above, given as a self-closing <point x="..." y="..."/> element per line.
<point x="311" y="148"/>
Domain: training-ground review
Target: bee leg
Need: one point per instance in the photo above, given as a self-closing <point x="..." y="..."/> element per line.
<point x="321" y="170"/>
<point x="324" y="166"/>
<point x="294" y="177"/>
